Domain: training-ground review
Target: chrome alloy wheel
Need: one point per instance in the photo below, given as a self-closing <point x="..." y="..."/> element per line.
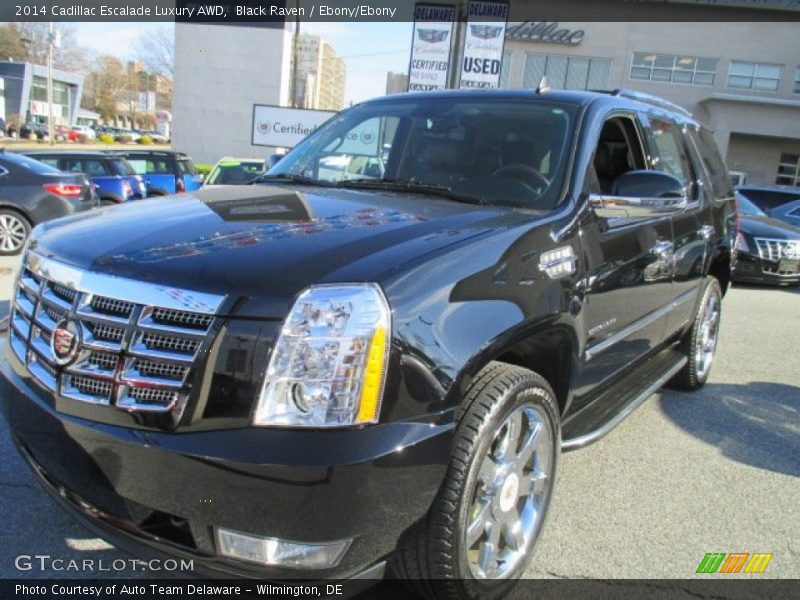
<point x="12" y="233"/>
<point x="511" y="494"/>
<point x="706" y="342"/>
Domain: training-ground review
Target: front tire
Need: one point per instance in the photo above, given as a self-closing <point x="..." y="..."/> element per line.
<point x="480" y="533"/>
<point x="14" y="232"/>
<point x="700" y="342"/>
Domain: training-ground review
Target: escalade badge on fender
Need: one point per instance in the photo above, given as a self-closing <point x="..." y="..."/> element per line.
<point x="65" y="341"/>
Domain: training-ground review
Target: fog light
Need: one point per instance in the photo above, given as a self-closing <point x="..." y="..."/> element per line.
<point x="281" y="553"/>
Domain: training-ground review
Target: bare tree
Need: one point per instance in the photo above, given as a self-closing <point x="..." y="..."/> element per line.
<point x="69" y="56"/>
<point x="107" y="86"/>
<point x="11" y="45"/>
<point x="156" y="49"/>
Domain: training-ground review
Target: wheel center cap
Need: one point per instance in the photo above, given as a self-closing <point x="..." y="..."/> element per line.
<point x="509" y="492"/>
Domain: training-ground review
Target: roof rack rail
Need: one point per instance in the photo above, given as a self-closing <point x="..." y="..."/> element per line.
<point x="650" y="99"/>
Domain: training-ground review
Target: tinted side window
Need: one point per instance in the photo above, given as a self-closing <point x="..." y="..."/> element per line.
<point x="91" y="166"/>
<point x="717" y="172"/>
<point x="42" y="166"/>
<point x="50" y="162"/>
<point x="186" y="166"/>
<point x="671" y="151"/>
<point x="120" y="166"/>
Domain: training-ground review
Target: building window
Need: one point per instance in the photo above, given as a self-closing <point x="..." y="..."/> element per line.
<point x="762" y="77"/>
<point x="789" y="170"/>
<point x="671" y="68"/>
<point x="566" y="72"/>
<point x="797" y="81"/>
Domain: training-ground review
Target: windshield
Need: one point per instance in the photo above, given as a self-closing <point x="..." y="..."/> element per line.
<point x="235" y="172"/>
<point x="746" y="207"/>
<point x="501" y="151"/>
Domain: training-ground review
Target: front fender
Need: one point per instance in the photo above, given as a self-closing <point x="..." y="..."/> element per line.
<point x="455" y="313"/>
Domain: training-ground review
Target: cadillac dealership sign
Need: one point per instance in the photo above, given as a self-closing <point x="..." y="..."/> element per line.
<point x="430" y="48"/>
<point x="545" y="31"/>
<point x="484" y="39"/>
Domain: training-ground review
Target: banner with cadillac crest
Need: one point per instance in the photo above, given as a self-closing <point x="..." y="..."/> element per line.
<point x="430" y="48"/>
<point x="484" y="40"/>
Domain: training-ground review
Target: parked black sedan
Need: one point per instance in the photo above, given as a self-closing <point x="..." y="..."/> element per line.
<point x="32" y="192"/>
<point x="768" y="249"/>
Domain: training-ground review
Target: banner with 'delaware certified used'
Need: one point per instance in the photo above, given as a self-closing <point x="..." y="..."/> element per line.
<point x="484" y="40"/>
<point x="430" y="48"/>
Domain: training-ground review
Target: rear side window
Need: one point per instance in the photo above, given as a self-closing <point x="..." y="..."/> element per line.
<point x="151" y="166"/>
<point x="50" y="162"/>
<point x="93" y="167"/>
<point x="717" y="172"/>
<point x="38" y="166"/>
<point x="671" y="150"/>
<point x="186" y="166"/>
<point x="120" y="166"/>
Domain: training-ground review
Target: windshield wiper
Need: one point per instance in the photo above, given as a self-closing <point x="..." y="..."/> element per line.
<point x="402" y="185"/>
<point x="289" y="177"/>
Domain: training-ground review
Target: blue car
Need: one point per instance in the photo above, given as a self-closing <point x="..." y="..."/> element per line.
<point x="165" y="172"/>
<point x="114" y="179"/>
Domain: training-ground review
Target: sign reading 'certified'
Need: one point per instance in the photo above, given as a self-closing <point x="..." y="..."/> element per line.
<point x="285" y="127"/>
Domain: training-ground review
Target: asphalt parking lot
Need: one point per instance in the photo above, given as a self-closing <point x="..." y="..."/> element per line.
<point x="713" y="471"/>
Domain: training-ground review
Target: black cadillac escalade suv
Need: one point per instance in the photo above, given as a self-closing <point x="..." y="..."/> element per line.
<point x="325" y="374"/>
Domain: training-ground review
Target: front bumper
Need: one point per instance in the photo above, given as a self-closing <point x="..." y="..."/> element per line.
<point x="751" y="268"/>
<point x="160" y="494"/>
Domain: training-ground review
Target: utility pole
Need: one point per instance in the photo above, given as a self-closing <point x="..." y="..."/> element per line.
<point x="50" y="41"/>
<point x="458" y="43"/>
<point x="295" y="53"/>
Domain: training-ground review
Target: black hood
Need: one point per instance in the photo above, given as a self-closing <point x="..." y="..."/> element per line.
<point x="264" y="244"/>
<point x="767" y="227"/>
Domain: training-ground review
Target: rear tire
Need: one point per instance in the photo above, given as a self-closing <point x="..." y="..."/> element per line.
<point x="14" y="232"/>
<point x="479" y="535"/>
<point x="700" y="342"/>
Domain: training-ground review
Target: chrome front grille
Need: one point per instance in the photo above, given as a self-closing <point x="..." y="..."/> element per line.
<point x="137" y="342"/>
<point x="774" y="250"/>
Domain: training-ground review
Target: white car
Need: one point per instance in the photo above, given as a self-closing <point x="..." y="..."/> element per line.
<point x="84" y="130"/>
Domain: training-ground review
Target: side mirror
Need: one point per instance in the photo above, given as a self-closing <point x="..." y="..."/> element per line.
<point x="273" y="159"/>
<point x="641" y="194"/>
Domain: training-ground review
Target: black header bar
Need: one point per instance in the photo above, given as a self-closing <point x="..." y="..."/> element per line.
<point x="274" y="13"/>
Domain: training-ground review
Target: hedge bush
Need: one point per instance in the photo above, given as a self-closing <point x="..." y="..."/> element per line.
<point x="125" y="139"/>
<point x="106" y="138"/>
<point x="203" y="168"/>
<point x="145" y="140"/>
<point x="83" y="138"/>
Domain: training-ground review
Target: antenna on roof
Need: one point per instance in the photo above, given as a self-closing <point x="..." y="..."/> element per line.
<point x="543" y="86"/>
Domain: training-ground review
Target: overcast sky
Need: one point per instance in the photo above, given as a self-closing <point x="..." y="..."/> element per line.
<point x="369" y="49"/>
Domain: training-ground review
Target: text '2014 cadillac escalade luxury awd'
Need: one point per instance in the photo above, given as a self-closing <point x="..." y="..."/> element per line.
<point x="373" y="357"/>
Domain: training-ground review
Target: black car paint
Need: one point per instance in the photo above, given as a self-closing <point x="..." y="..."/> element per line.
<point x="21" y="189"/>
<point x="465" y="288"/>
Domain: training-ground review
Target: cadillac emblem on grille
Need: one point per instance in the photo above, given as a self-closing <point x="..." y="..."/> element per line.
<point x="65" y="341"/>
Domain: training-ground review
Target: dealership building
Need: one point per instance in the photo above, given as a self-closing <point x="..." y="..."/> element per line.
<point x="25" y="93"/>
<point x="741" y="79"/>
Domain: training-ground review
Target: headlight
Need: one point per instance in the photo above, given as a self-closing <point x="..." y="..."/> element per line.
<point x="329" y="364"/>
<point x="741" y="243"/>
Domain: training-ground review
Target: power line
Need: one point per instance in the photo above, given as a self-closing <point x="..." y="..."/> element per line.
<point x="375" y="53"/>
